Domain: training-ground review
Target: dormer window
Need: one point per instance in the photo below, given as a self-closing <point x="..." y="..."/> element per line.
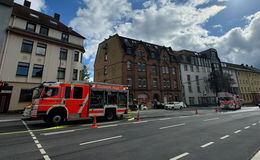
<point x="65" y="37"/>
<point x="152" y="55"/>
<point x="44" y="31"/>
<point x="141" y="53"/>
<point x="30" y="27"/>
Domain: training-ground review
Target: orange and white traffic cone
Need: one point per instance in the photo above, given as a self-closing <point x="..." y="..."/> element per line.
<point x="94" y="124"/>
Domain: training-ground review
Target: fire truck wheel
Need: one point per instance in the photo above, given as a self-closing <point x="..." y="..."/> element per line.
<point x="110" y="115"/>
<point x="56" y="119"/>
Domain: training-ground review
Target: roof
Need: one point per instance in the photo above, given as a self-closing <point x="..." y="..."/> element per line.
<point x="242" y="67"/>
<point x="43" y="19"/>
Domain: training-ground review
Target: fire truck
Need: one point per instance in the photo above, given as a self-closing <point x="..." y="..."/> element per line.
<point x="229" y="101"/>
<point x="56" y="102"/>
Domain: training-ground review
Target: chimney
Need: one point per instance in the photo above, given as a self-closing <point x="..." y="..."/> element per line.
<point x="57" y="16"/>
<point x="27" y="3"/>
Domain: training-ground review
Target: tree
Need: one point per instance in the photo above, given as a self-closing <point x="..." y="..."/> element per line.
<point x="219" y="82"/>
<point x="84" y="74"/>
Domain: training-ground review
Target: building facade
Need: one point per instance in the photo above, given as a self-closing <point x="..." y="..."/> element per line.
<point x="151" y="71"/>
<point x="195" y="69"/>
<point x="37" y="48"/>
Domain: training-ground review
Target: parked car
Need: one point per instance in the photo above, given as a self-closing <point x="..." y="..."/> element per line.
<point x="158" y="105"/>
<point x="258" y="104"/>
<point x="175" y="105"/>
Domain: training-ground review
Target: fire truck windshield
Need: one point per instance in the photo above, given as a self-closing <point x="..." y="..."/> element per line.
<point x="37" y="92"/>
<point x="50" y="92"/>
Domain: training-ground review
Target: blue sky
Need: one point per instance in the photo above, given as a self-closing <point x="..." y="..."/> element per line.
<point x="230" y="26"/>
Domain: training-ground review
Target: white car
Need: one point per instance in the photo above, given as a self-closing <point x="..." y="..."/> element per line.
<point x="175" y="105"/>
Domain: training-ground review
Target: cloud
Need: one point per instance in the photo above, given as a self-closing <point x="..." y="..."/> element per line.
<point x="38" y="5"/>
<point x="217" y="26"/>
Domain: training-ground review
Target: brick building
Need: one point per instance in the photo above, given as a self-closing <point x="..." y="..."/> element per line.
<point x="151" y="71"/>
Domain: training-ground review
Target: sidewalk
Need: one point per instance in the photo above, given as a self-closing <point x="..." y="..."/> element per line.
<point x="12" y="116"/>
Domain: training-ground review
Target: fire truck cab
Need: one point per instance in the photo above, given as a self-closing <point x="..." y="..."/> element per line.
<point x="57" y="102"/>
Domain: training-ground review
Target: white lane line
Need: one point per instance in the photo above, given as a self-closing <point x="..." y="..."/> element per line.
<point x="183" y="116"/>
<point x="59" y="132"/>
<point x="226" y="136"/>
<point x="212" y="119"/>
<point x="140" y="122"/>
<point x="9" y="120"/>
<point x="180" y="156"/>
<point x="112" y="125"/>
<point x="163" y="119"/>
<point x="253" y="124"/>
<point x="247" y="127"/>
<point x="256" y="156"/>
<point x="100" y="140"/>
<point x="206" y="145"/>
<point x="176" y="125"/>
<point x="237" y="131"/>
<point x="39" y="146"/>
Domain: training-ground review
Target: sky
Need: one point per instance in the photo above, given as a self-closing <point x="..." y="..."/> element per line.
<point x="230" y="26"/>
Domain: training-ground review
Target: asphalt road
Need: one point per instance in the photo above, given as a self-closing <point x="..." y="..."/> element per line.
<point x="160" y="135"/>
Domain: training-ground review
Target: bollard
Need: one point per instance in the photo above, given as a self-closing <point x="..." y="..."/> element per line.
<point x="216" y="110"/>
<point x="94" y="124"/>
<point x="196" y="112"/>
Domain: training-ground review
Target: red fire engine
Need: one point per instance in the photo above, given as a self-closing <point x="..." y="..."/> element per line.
<point x="57" y="102"/>
<point x="229" y="101"/>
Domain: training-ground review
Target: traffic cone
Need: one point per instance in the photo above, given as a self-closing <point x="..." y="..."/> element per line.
<point x="138" y="119"/>
<point x="94" y="124"/>
<point x="196" y="112"/>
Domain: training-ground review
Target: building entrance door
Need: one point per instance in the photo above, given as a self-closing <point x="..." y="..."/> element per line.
<point x="4" y="102"/>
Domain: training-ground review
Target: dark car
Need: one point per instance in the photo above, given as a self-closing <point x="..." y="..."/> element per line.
<point x="133" y="107"/>
<point x="258" y="104"/>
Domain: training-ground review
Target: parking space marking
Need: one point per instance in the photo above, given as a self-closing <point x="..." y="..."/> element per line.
<point x="180" y="156"/>
<point x="100" y="140"/>
<point x="226" y="136"/>
<point x="59" y="132"/>
<point x="106" y="126"/>
<point x="237" y="131"/>
<point x="247" y="127"/>
<point x="39" y="146"/>
<point x="176" y="125"/>
<point x="163" y="119"/>
<point x="212" y="119"/>
<point x="253" y="124"/>
<point x="207" y="144"/>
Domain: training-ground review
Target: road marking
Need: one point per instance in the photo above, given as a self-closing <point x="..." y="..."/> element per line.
<point x="253" y="124"/>
<point x="247" y="127"/>
<point x="256" y="156"/>
<point x="163" y="119"/>
<point x="176" y="125"/>
<point x="226" y="136"/>
<point x="59" y="132"/>
<point x="100" y="140"/>
<point x="212" y="119"/>
<point x="112" y="125"/>
<point x="9" y="120"/>
<point x="180" y="156"/>
<point x="237" y="131"/>
<point x="140" y="122"/>
<point x="183" y="116"/>
<point x="206" y="145"/>
<point x="39" y="146"/>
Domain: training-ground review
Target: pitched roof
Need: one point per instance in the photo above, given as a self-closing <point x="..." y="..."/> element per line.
<point x="43" y="19"/>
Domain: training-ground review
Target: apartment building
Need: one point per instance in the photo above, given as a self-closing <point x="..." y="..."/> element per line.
<point x="195" y="69"/>
<point x="37" y="48"/>
<point x="151" y="71"/>
<point x="248" y="79"/>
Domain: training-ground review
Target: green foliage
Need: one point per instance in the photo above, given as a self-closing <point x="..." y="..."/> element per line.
<point x="84" y="74"/>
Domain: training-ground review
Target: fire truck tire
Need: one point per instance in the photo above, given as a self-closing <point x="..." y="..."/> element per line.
<point x="56" y="119"/>
<point x="110" y="115"/>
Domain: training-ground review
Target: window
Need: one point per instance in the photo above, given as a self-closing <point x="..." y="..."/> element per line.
<point x="76" y="56"/>
<point x="152" y="55"/>
<point x="44" y="31"/>
<point x="111" y="98"/>
<point x="191" y="68"/>
<point x="81" y="57"/>
<point x="197" y="80"/>
<point x="154" y="68"/>
<point x="65" y="37"/>
<point x="173" y="70"/>
<point x="143" y="67"/>
<point x="61" y="73"/>
<point x="165" y="69"/>
<point x="37" y="70"/>
<point x="129" y="81"/>
<point x="191" y="100"/>
<point x="185" y="67"/>
<point x="139" y="67"/>
<point x="154" y="83"/>
<point x="141" y="53"/>
<point x="198" y="88"/>
<point x="141" y="82"/>
<point x="30" y="27"/>
<point x="129" y="51"/>
<point x="77" y="94"/>
<point x="22" y="69"/>
<point x="27" y="46"/>
<point x="63" y="54"/>
<point x="41" y="49"/>
<point x="197" y="68"/>
<point x="129" y="65"/>
<point x="67" y="92"/>
<point x="105" y="56"/>
<point x="174" y="84"/>
<point x="50" y="92"/>
<point x="75" y="74"/>
<point x="26" y="95"/>
<point x="189" y="83"/>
